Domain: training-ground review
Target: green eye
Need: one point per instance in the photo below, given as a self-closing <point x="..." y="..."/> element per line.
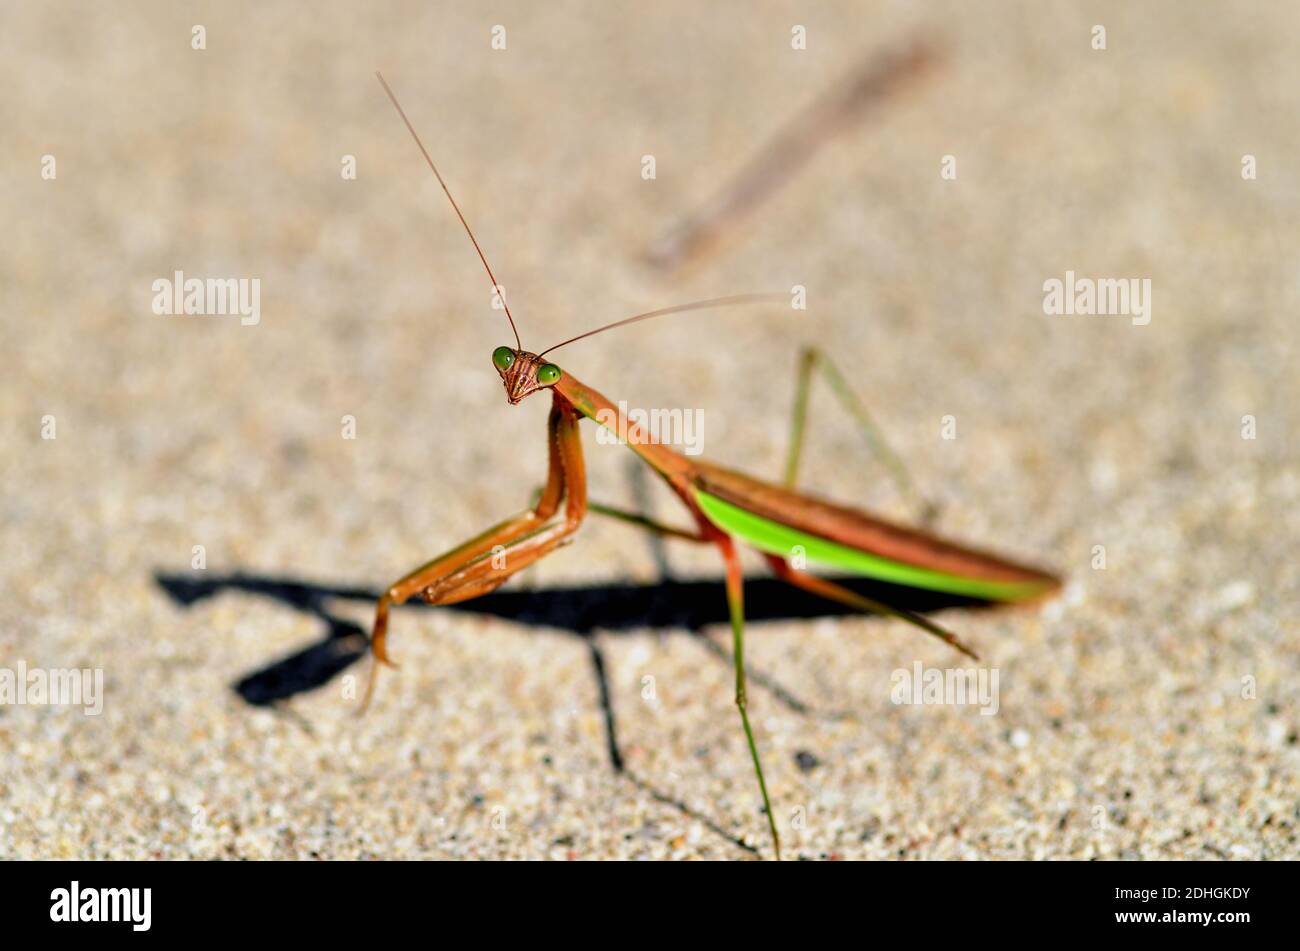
<point x="548" y="374"/>
<point x="502" y="358"/>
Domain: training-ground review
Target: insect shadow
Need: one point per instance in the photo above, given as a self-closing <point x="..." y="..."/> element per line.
<point x="670" y="604"/>
<point x="581" y="611"/>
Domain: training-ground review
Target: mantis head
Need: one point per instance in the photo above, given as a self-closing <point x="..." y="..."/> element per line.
<point x="523" y="373"/>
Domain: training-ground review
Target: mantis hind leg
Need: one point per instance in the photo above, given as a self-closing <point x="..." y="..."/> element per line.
<point x="836" y="592"/>
<point x="736" y="604"/>
<point x="813" y="358"/>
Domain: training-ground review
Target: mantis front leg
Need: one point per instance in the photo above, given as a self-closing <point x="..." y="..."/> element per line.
<point x="483" y="563"/>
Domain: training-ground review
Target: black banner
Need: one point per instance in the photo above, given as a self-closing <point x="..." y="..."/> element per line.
<point x="1223" y="901"/>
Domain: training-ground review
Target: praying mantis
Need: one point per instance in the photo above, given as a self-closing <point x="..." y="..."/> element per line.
<point x="728" y="510"/>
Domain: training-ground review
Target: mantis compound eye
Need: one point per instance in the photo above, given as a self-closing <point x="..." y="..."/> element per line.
<point x="503" y="357"/>
<point x="548" y="374"/>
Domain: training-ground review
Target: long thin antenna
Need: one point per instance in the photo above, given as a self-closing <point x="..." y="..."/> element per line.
<point x="410" y="128"/>
<point x="675" y="309"/>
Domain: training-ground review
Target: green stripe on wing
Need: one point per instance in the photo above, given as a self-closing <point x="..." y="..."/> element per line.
<point x="778" y="539"/>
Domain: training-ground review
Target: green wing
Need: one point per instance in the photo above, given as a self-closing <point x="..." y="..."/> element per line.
<point x="778" y="539"/>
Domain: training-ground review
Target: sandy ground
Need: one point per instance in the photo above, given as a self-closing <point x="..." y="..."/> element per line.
<point x="1149" y="712"/>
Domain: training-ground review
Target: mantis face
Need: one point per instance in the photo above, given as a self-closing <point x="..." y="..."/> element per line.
<point x="523" y="373"/>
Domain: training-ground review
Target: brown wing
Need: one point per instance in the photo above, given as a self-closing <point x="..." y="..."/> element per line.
<point x="857" y="529"/>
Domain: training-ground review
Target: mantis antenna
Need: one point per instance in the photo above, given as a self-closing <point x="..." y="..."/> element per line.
<point x="675" y="309"/>
<point x="481" y="256"/>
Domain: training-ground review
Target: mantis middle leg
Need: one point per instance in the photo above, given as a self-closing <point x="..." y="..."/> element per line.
<point x="736" y="604"/>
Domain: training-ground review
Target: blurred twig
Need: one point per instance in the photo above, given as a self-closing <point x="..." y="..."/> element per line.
<point x="875" y="80"/>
